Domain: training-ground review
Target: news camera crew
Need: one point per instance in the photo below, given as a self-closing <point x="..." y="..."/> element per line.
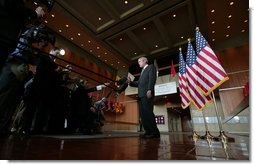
<point x="81" y="118"/>
<point x="13" y="15"/>
<point x="15" y="70"/>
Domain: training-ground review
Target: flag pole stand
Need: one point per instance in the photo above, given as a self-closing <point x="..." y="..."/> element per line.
<point x="224" y="138"/>
<point x="207" y="135"/>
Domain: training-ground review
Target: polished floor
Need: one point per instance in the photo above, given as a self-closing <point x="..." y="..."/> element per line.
<point x="122" y="146"/>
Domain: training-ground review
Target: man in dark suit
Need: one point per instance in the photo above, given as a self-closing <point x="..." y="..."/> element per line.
<point x="145" y="86"/>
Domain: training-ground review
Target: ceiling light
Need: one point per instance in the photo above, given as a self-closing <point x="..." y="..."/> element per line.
<point x="126" y="2"/>
<point x="182" y="37"/>
<point x="231" y="3"/>
<point x="99" y="56"/>
<point x="36" y="3"/>
<point x="98" y="47"/>
<point x="120" y="39"/>
<point x="156" y="46"/>
<point x="46" y="21"/>
<point x="105" y="53"/>
<point x="79" y="34"/>
<point x="105" y="60"/>
<point x="228" y="27"/>
<point x="111" y="64"/>
<point x="243" y="31"/>
<point x="91" y="50"/>
<point x="246" y="20"/>
<point x="124" y="66"/>
<point x="144" y="28"/>
<point x="82" y="44"/>
<point x="52" y="15"/>
<point x="66" y="25"/>
<point x="212" y="11"/>
<point x="213" y="22"/>
<point x="213" y="39"/>
<point x="60" y="30"/>
<point x="88" y="41"/>
<point x="174" y="15"/>
<point x="99" y="18"/>
<point x="213" y="31"/>
<point x="118" y="62"/>
<point x="229" y="16"/>
<point x="227" y="35"/>
<point x="62" y="52"/>
<point x="135" y="53"/>
<point x="72" y="38"/>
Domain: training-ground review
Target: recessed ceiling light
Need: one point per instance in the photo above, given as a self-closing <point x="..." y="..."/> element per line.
<point x="229" y="16"/>
<point x="243" y="31"/>
<point x="118" y="62"/>
<point x="174" y="15"/>
<point x="212" y="11"/>
<point x="156" y="46"/>
<point x="105" y="53"/>
<point x="52" y="15"/>
<point x="60" y="30"/>
<point x="88" y="41"/>
<point x="231" y="3"/>
<point x="227" y="35"/>
<point x="79" y="34"/>
<point x="124" y="66"/>
<point x="213" y="31"/>
<point x="246" y="20"/>
<point x="72" y="38"/>
<point x="36" y="3"/>
<point x="99" y="18"/>
<point x="213" y="22"/>
<point x="111" y="64"/>
<point x="135" y="53"/>
<point x="46" y="21"/>
<point x="182" y="37"/>
<point x="66" y="25"/>
<point x="98" y="47"/>
<point x="144" y="28"/>
<point x="99" y="56"/>
<point x="126" y="2"/>
<point x="213" y="39"/>
<point x="105" y="60"/>
<point x="120" y="39"/>
<point x="91" y="50"/>
<point x="228" y="27"/>
<point x="82" y="44"/>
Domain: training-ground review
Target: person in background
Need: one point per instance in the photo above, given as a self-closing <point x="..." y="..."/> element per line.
<point x="145" y="86"/>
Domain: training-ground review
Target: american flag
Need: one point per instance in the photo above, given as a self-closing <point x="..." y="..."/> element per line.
<point x="197" y="97"/>
<point x="210" y="73"/>
<point x="182" y="81"/>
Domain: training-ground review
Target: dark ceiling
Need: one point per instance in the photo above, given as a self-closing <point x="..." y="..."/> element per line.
<point x="117" y="32"/>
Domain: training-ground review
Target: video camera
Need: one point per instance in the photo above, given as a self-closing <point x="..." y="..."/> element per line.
<point x="42" y="33"/>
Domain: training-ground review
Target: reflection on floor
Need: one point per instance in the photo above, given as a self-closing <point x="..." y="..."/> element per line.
<point x="122" y="146"/>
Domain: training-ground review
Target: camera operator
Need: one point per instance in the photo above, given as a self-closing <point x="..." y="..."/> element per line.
<point x="13" y="16"/>
<point x="15" y="70"/>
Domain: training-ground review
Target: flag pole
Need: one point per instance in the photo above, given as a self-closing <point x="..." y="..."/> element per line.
<point x="224" y="138"/>
<point x="207" y="135"/>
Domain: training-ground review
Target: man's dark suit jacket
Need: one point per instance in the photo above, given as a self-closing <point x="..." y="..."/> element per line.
<point x="146" y="81"/>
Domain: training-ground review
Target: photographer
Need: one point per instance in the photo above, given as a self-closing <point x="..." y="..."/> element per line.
<point x="13" y="15"/>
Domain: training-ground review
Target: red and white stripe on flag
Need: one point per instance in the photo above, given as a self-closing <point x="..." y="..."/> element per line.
<point x="182" y="82"/>
<point x="210" y="73"/>
<point x="197" y="97"/>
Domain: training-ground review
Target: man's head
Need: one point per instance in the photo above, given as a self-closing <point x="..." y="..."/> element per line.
<point x="142" y="61"/>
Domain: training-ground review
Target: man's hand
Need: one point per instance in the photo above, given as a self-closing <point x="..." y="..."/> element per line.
<point x="40" y="12"/>
<point x="149" y="94"/>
